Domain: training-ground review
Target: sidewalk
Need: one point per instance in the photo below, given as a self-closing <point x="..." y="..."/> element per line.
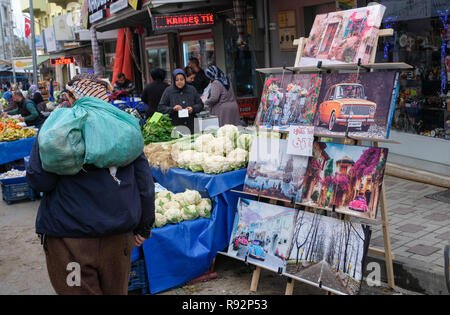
<point x="419" y="226"/>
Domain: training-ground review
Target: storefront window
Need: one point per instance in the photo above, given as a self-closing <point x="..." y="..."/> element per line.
<point x="110" y="57"/>
<point x="159" y="58"/>
<point x="202" y="49"/>
<point x="421" y="38"/>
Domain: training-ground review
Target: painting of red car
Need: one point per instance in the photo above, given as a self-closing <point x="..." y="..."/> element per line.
<point x="358" y="204"/>
<point x="241" y="240"/>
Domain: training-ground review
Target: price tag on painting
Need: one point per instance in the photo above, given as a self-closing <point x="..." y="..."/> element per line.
<point x="300" y="141"/>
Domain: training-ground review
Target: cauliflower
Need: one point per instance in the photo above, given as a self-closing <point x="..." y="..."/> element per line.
<point x="191" y="197"/>
<point x="203" y="142"/>
<point x="215" y="164"/>
<point x="185" y="157"/>
<point x="159" y="209"/>
<point x="244" y="141"/>
<point x="189" y="212"/>
<point x="237" y="159"/>
<point x="228" y="131"/>
<point x="195" y="165"/>
<point x="173" y="215"/>
<point x="161" y="201"/>
<point x="171" y="204"/>
<point x="160" y="220"/>
<point x="165" y="194"/>
<point x="204" y="208"/>
<point x="221" y="146"/>
<point x="179" y="198"/>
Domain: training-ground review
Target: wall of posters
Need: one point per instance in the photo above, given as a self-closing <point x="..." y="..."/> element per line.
<point x="362" y="103"/>
<point x="343" y="37"/>
<point x="271" y="172"/>
<point x="328" y="252"/>
<point x="262" y="234"/>
<point x="289" y="99"/>
<point x="345" y="178"/>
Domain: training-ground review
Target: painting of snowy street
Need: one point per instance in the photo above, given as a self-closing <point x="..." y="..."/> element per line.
<point x="343" y="37"/>
<point x="289" y="99"/>
<point x="345" y="177"/>
<point x="361" y="104"/>
<point x="329" y="253"/>
<point x="262" y="233"/>
<point x="272" y="172"/>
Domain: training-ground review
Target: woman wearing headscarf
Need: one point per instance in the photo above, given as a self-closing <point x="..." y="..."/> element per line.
<point x="36" y="96"/>
<point x="153" y="92"/>
<point x="221" y="99"/>
<point x="178" y="97"/>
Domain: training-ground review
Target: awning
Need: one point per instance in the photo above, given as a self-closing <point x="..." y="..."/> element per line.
<point x="40" y="60"/>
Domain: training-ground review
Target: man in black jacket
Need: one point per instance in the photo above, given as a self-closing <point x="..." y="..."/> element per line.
<point x="152" y="92"/>
<point x="90" y="222"/>
<point x="27" y="109"/>
<point x="201" y="81"/>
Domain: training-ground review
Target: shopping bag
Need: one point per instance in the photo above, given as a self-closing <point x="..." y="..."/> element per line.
<point x="112" y="137"/>
<point x="206" y="93"/>
<point x="61" y="144"/>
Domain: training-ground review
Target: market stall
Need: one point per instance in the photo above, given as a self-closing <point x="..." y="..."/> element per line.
<point x="15" y="150"/>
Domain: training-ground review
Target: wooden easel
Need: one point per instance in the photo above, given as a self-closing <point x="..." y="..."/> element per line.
<point x="387" y="251"/>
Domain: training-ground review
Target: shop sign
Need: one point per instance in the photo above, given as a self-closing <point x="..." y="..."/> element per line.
<point x="174" y="21"/>
<point x="62" y="61"/>
<point x="300" y="141"/>
<point x="94" y="5"/>
<point x="118" y="6"/>
<point x="97" y="16"/>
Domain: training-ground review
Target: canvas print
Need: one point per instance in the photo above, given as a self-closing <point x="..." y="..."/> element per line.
<point x="360" y="104"/>
<point x="272" y="173"/>
<point x="343" y="37"/>
<point x="328" y="252"/>
<point x="289" y="99"/>
<point x="345" y="178"/>
<point x="262" y="234"/>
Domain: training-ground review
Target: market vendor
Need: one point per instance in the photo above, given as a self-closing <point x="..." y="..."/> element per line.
<point x="27" y="109"/>
<point x="181" y="101"/>
<point x="123" y="84"/>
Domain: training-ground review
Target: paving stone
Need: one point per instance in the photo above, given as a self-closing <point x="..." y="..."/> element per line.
<point x="379" y="241"/>
<point x="444" y="236"/>
<point x="402" y="210"/>
<point x="423" y="250"/>
<point x="410" y="228"/>
<point x="437" y="217"/>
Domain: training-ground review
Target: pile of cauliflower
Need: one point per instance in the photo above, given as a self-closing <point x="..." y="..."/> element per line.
<point x="174" y="208"/>
<point x="226" y="152"/>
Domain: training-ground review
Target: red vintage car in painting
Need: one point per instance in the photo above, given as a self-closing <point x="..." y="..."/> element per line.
<point x="345" y="104"/>
<point x="358" y="204"/>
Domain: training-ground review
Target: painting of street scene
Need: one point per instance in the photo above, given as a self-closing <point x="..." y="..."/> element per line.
<point x="262" y="233"/>
<point x="328" y="252"/>
<point x="289" y="99"/>
<point x="273" y="173"/>
<point x="361" y="104"/>
<point x="345" y="177"/>
<point x="343" y="37"/>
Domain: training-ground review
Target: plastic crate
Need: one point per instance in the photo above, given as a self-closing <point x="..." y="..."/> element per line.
<point x="138" y="277"/>
<point x="20" y="191"/>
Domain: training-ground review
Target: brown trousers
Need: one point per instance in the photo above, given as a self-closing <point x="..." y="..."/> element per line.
<point x="84" y="266"/>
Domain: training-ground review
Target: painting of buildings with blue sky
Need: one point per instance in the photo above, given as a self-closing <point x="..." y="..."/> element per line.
<point x="262" y="232"/>
<point x="328" y="252"/>
<point x="345" y="177"/>
<point x="272" y="172"/>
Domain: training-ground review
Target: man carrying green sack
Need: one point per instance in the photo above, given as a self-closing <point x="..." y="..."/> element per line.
<point x="90" y="221"/>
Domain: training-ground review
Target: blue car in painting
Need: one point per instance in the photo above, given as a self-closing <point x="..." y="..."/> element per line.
<point x="256" y="250"/>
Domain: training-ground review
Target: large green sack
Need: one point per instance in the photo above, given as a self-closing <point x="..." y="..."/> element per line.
<point x="112" y="137"/>
<point x="61" y="144"/>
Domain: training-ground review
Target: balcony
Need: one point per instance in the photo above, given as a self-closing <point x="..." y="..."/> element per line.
<point x="39" y="6"/>
<point x="62" y="3"/>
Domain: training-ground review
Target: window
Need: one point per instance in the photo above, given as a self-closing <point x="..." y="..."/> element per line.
<point x="202" y="49"/>
<point x="159" y="58"/>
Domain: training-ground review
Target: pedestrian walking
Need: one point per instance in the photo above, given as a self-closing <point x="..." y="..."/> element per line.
<point x="153" y="92"/>
<point x="180" y="97"/>
<point x="221" y="99"/>
<point x="91" y="221"/>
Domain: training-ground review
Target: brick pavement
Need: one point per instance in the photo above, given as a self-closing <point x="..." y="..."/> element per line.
<point x="419" y="226"/>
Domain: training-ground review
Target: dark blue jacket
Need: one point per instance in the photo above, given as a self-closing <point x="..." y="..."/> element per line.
<point x="91" y="203"/>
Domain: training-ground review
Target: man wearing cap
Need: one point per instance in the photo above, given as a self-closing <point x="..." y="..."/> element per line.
<point x="90" y="222"/>
<point x="27" y="109"/>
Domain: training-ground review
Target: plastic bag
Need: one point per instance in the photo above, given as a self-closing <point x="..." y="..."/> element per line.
<point x="61" y="144"/>
<point x="112" y="137"/>
<point x="206" y="93"/>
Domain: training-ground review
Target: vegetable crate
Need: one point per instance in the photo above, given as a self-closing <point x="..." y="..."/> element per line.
<point x="17" y="191"/>
<point x="138" y="277"/>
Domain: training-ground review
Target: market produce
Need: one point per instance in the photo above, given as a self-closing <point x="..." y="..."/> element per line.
<point x="13" y="174"/>
<point x="174" y="208"/>
<point x="160" y="131"/>
<point x="160" y="155"/>
<point x="11" y="131"/>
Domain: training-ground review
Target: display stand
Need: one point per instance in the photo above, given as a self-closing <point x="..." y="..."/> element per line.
<point x="387" y="251"/>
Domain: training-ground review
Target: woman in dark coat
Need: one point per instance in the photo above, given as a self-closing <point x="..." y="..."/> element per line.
<point x="153" y="92"/>
<point x="221" y="99"/>
<point x="180" y="96"/>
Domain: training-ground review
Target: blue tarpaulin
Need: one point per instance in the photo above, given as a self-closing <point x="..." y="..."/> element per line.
<point x="178" y="253"/>
<point x="15" y="150"/>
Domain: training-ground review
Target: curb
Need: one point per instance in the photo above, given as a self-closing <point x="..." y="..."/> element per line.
<point x="413" y="275"/>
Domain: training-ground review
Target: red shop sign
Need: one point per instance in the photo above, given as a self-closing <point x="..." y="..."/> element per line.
<point x="62" y="61"/>
<point x="173" y="21"/>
